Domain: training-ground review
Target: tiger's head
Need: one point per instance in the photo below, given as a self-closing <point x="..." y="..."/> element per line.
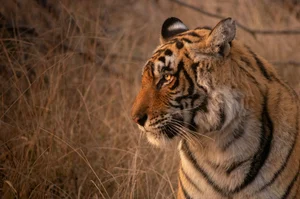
<point x="180" y="80"/>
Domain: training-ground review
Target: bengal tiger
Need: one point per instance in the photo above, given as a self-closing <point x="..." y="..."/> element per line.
<point x="237" y="121"/>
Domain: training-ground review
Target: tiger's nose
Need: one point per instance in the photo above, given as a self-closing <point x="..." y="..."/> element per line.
<point x="140" y="119"/>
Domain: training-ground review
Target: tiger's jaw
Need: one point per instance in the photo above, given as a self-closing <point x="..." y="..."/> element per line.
<point x="161" y="131"/>
<point x="160" y="137"/>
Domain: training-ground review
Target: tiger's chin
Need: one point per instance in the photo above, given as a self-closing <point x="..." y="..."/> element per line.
<point x="161" y="138"/>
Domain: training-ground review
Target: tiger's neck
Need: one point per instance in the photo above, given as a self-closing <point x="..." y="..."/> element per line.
<point x="221" y="149"/>
<point x="226" y="157"/>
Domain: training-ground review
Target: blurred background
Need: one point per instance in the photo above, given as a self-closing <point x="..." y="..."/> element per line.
<point x="69" y="72"/>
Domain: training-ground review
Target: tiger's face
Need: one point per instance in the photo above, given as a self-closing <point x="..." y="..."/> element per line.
<point x="177" y="80"/>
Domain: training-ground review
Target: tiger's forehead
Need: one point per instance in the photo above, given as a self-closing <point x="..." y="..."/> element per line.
<point x="197" y="35"/>
<point x="166" y="56"/>
<point x="163" y="61"/>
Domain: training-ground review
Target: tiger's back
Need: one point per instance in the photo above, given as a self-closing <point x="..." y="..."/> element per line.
<point x="237" y="121"/>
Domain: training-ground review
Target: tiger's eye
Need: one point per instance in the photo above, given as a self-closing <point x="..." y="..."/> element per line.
<point x="168" y="77"/>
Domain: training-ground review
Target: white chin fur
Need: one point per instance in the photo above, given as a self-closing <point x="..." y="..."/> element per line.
<point x="158" y="140"/>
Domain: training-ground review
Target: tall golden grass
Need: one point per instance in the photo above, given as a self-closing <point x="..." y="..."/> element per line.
<point x="69" y="71"/>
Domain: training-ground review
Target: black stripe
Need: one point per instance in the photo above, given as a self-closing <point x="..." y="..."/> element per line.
<point x="187" y="55"/>
<point x="291" y="91"/>
<point x="176" y="75"/>
<point x="204" y="27"/>
<point x="278" y="100"/>
<point x="283" y="166"/>
<point x="158" y="51"/>
<point x="227" y="169"/>
<point x="296" y="194"/>
<point x="176" y="84"/>
<point x="176" y="106"/>
<point x="263" y="151"/>
<point x="247" y="62"/>
<point x="248" y="74"/>
<point x="166" y="68"/>
<point x="237" y="134"/>
<point x="194" y="98"/>
<point x="222" y="119"/>
<point x="202" y="107"/>
<point x="202" y="87"/>
<point x="261" y="66"/>
<point x="251" y="77"/>
<point x="193" y="160"/>
<point x="191" y="83"/>
<point x="180" y="98"/>
<point x="185" y="193"/>
<point x="149" y="68"/>
<point x="149" y="65"/>
<point x="289" y="188"/>
<point x="235" y="165"/>
<point x="194" y="67"/>
<point x="193" y="34"/>
<point x="160" y="83"/>
<point x="187" y="40"/>
<point x="169" y="131"/>
<point x="175" y="92"/>
<point x="214" y="166"/>
<point x="190" y="181"/>
<point x="193" y="126"/>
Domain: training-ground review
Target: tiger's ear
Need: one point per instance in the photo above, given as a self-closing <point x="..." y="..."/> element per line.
<point x="171" y="27"/>
<point x="221" y="36"/>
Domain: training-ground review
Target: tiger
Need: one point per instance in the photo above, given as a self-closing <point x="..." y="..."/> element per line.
<point x="236" y="120"/>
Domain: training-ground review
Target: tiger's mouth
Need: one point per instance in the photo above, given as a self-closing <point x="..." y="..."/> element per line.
<point x="164" y="130"/>
<point x="169" y="127"/>
<point x="169" y="130"/>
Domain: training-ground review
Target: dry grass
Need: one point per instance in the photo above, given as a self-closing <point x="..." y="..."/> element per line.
<point x="68" y="76"/>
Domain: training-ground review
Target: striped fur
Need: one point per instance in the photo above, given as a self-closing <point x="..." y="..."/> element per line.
<point x="237" y="122"/>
